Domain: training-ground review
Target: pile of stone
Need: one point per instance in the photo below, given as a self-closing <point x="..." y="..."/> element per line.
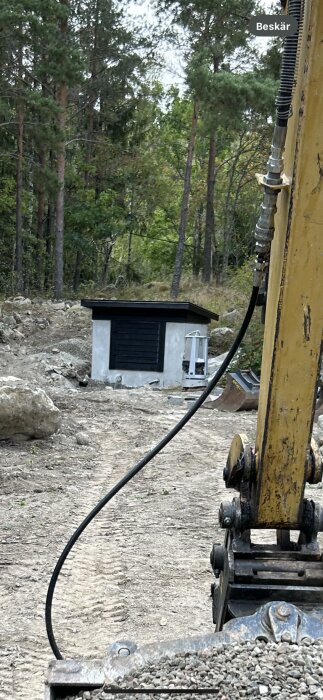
<point x="249" y="670"/>
<point x="20" y="316"/>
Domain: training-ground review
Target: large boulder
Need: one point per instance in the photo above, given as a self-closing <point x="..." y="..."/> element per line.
<point x="26" y="411"/>
<point x="220" y="340"/>
<point x="21" y="303"/>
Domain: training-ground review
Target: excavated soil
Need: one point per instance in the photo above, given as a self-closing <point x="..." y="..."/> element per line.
<point x="141" y="571"/>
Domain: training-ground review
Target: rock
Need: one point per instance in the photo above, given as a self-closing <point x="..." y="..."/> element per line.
<point x="77" y="310"/>
<point x="5" y="334"/>
<point x="25" y="410"/>
<point x="62" y="363"/>
<point x="59" y="306"/>
<point x="42" y="321"/>
<point x="82" y="438"/>
<point x="118" y="382"/>
<point x="17" y="335"/>
<point x="220" y="340"/>
<point x="83" y="381"/>
<point x="294" y="673"/>
<point x="214" y="363"/>
<point x="21" y="302"/>
<point x="263" y="690"/>
<point x="10" y="321"/>
<point x="231" y="316"/>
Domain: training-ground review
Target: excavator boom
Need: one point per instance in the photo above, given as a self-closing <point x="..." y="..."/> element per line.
<point x="271" y="477"/>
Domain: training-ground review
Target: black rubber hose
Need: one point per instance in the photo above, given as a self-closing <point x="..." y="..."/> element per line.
<point x="137" y="468"/>
<point x="287" y="73"/>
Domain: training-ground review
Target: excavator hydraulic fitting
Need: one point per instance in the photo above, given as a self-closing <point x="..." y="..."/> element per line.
<point x="236" y="514"/>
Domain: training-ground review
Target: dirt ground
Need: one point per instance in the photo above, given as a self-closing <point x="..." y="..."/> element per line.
<point x="141" y="571"/>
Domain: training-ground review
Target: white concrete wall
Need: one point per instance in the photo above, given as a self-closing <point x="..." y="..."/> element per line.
<point x="174" y="352"/>
<point x="100" y="349"/>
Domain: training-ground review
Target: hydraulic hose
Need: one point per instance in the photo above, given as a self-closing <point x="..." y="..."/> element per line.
<point x="137" y="468"/>
<point x="289" y="60"/>
<point x="273" y="178"/>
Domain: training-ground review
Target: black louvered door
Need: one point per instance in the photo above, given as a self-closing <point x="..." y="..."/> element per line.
<point x="137" y="344"/>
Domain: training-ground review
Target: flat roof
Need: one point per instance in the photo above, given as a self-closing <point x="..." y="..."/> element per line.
<point x="151" y="307"/>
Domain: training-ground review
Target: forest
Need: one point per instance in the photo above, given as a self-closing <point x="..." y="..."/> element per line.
<point x="110" y="176"/>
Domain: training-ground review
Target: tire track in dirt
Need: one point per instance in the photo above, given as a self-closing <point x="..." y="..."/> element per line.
<point x="170" y="509"/>
<point x="99" y="597"/>
<point x="90" y="605"/>
<point x="24" y="649"/>
<point x="141" y="570"/>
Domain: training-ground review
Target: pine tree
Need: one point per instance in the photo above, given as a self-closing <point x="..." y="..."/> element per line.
<point x="215" y="31"/>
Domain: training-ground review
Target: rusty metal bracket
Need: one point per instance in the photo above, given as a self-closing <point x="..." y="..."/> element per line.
<point x="278" y="622"/>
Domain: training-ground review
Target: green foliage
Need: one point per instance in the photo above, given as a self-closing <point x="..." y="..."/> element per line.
<point x="250" y="353"/>
<point x="126" y="140"/>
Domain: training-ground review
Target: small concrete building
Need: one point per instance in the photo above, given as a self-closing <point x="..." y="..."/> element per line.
<point x="140" y="342"/>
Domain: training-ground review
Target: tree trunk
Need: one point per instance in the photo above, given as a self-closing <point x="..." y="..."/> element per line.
<point x="210" y="187"/>
<point x="228" y="221"/>
<point x="184" y="207"/>
<point x="62" y="95"/>
<point x="41" y="199"/>
<point x="107" y="252"/>
<point x="19" y="184"/>
<point x="40" y="222"/>
<point x="209" y="215"/>
<point x="197" y="241"/>
<point x="130" y="235"/>
<point x="231" y="207"/>
<point x="49" y="233"/>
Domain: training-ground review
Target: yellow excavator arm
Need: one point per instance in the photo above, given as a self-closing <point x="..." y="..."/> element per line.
<point x="271" y="476"/>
